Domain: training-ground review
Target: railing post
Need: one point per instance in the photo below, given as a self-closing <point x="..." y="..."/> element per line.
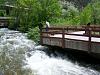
<point x="88" y="34"/>
<point x="63" y="38"/>
<point x="41" y="38"/>
<point x="89" y="40"/>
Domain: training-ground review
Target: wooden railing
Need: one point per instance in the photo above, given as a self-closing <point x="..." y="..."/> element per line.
<point x="4" y="21"/>
<point x="90" y="31"/>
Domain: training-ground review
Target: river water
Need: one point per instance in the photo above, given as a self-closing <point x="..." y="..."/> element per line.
<point x="39" y="61"/>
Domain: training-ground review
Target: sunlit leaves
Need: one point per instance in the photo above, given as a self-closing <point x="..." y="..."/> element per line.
<point x="31" y="12"/>
<point x="86" y="15"/>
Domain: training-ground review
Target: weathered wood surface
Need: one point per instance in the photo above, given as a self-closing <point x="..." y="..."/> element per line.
<point x="79" y="38"/>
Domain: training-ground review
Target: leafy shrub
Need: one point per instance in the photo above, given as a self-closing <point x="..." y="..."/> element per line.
<point x="96" y="11"/>
<point x="33" y="34"/>
<point x="30" y="13"/>
<point x="86" y="15"/>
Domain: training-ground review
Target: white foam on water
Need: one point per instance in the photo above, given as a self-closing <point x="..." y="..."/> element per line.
<point x="45" y="65"/>
<point x="38" y="61"/>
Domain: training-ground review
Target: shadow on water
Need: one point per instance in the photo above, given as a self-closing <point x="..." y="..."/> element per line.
<point x="82" y="58"/>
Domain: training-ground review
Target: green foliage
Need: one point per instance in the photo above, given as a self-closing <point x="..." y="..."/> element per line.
<point x="24" y="15"/>
<point x="2" y="13"/>
<point x="34" y="34"/>
<point x="86" y="15"/>
<point x="70" y="15"/>
<point x="30" y="13"/>
<point x="80" y="4"/>
<point x="49" y="9"/>
<point x="96" y="11"/>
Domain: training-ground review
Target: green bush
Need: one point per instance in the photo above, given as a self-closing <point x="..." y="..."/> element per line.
<point x="30" y="13"/>
<point x="86" y="15"/>
<point x="96" y="11"/>
<point x="34" y="34"/>
<point x="69" y="16"/>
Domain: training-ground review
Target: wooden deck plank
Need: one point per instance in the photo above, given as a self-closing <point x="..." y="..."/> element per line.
<point x="84" y="38"/>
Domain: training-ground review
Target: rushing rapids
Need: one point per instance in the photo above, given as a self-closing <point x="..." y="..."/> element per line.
<point x="37" y="59"/>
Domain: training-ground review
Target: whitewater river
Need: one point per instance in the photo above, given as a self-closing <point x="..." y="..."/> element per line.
<point x="38" y="60"/>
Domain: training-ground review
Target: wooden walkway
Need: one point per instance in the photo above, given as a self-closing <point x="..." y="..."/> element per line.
<point x="85" y="38"/>
<point x="4" y="21"/>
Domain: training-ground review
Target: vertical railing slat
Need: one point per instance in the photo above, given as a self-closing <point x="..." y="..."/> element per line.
<point x="89" y="40"/>
<point x="41" y="38"/>
<point x="63" y="38"/>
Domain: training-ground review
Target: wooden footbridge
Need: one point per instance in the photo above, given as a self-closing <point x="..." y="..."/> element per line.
<point x="4" y="21"/>
<point x="85" y="38"/>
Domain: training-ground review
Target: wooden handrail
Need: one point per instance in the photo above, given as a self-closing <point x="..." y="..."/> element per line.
<point x="90" y="31"/>
<point x="57" y="30"/>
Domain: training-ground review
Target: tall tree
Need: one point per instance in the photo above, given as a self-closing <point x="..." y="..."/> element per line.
<point x="79" y="3"/>
<point x="33" y="12"/>
<point x="95" y="4"/>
